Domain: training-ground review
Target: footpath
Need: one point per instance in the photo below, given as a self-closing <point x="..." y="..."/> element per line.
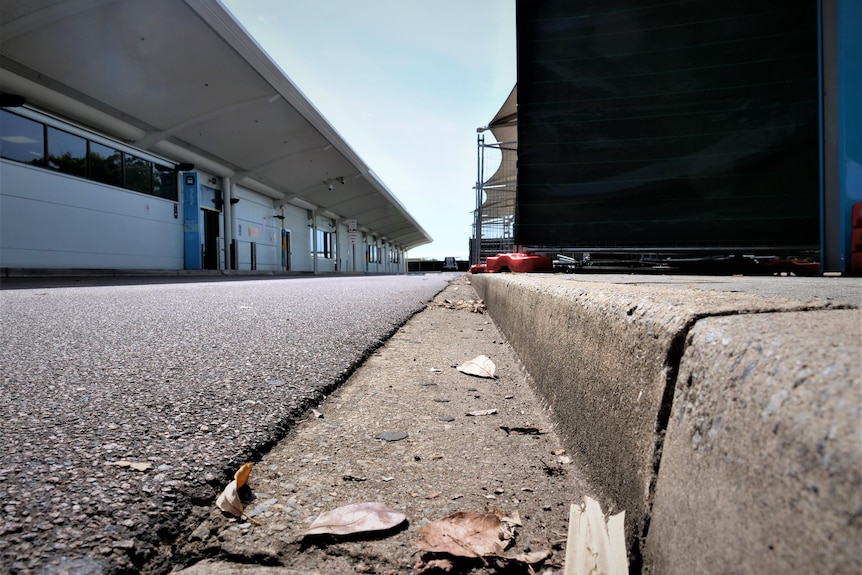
<point x="411" y="431"/>
<point x="721" y="414"/>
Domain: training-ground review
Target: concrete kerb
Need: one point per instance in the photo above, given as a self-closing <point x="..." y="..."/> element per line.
<point x="760" y="471"/>
<point x="606" y="359"/>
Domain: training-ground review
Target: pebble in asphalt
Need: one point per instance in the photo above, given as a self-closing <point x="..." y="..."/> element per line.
<point x="124" y="406"/>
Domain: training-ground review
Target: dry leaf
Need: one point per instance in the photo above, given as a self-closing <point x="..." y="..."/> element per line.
<point x="229" y="500"/>
<point x="435" y="565"/>
<point x="531" y="558"/>
<point x="481" y="366"/>
<point x="136" y="465"/>
<point x="466" y="534"/>
<point x="513" y="519"/>
<point x="356" y="518"/>
<point x="242" y="474"/>
<point x="482" y="412"/>
<point x="590" y="548"/>
<point x="474" y="306"/>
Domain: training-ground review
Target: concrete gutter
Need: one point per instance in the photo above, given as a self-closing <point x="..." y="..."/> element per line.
<point x="726" y="423"/>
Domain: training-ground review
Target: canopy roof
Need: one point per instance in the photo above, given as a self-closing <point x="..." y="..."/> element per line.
<point x="500" y="188"/>
<point x="183" y="79"/>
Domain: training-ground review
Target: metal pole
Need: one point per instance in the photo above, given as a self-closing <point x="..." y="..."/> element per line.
<point x="480" y="198"/>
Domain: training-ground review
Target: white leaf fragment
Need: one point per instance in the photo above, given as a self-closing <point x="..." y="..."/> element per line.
<point x="480" y="366"/>
<point x="595" y="546"/>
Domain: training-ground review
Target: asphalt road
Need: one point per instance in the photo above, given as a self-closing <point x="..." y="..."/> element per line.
<point x="186" y="380"/>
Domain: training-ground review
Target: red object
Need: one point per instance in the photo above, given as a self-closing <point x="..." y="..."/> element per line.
<point x="478" y="269"/>
<point x="856" y="240"/>
<point x="798" y="267"/>
<point x="856" y="263"/>
<point x="856" y="216"/>
<point x="519" y="263"/>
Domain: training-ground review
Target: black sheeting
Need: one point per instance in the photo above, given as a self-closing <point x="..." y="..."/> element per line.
<point x="667" y="124"/>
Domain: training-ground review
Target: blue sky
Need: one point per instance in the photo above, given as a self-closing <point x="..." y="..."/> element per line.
<point x="406" y="83"/>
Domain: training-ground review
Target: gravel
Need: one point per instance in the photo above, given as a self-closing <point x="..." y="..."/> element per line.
<point x="126" y="408"/>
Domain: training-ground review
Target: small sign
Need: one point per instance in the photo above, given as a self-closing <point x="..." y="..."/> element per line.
<point x="351" y="225"/>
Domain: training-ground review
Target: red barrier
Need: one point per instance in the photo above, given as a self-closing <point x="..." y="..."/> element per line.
<point x="519" y="263"/>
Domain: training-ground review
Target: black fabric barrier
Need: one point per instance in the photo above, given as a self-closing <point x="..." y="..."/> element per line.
<point x="667" y="124"/>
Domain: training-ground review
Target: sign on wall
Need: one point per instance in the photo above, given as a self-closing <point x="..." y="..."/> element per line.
<point x="191" y="222"/>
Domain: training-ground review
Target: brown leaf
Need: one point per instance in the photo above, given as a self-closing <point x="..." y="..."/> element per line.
<point x="466" y="534"/>
<point x="241" y="476"/>
<point x="480" y="366"/>
<point x="356" y="518"/>
<point x="229" y="501"/>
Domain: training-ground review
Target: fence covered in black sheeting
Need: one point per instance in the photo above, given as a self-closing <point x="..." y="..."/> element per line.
<point x="656" y="125"/>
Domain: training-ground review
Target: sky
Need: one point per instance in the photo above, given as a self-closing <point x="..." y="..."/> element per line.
<point x="405" y="83"/>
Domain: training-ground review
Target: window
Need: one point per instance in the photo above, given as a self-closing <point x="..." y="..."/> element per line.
<point x="372" y="254"/>
<point x="32" y="142"/>
<point x="67" y="152"/>
<point x="164" y="182"/>
<point x="106" y="164"/>
<point x="21" y="139"/>
<point x="325" y="244"/>
<point x="138" y="174"/>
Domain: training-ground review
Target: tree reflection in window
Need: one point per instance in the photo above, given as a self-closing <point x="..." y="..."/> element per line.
<point x="67" y="153"/>
<point x="106" y="164"/>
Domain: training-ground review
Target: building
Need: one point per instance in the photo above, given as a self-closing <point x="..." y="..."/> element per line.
<point x="157" y="135"/>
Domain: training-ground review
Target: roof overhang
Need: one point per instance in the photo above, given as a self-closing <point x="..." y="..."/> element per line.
<point x="183" y="79"/>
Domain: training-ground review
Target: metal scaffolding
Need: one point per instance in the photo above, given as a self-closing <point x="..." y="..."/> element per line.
<point x="495" y="195"/>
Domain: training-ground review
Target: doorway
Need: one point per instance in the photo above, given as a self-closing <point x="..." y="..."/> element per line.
<point x="209" y="247"/>
<point x="285" y="249"/>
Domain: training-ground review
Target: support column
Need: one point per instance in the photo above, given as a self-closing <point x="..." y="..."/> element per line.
<point x="314" y="246"/>
<point x="227" y="215"/>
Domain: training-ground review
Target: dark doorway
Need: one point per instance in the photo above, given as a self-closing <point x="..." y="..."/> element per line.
<point x="210" y="240"/>
<point x="285" y="249"/>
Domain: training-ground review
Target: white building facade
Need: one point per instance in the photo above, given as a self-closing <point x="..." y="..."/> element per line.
<point x="94" y="175"/>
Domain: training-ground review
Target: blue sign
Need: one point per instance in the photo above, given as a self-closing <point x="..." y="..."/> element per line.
<point x="191" y="222"/>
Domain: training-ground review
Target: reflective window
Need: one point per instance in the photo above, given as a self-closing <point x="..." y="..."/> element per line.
<point x="25" y="140"/>
<point x="67" y="152"/>
<point x="106" y="164"/>
<point x="139" y="174"/>
<point x="21" y="139"/>
<point x="164" y="182"/>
